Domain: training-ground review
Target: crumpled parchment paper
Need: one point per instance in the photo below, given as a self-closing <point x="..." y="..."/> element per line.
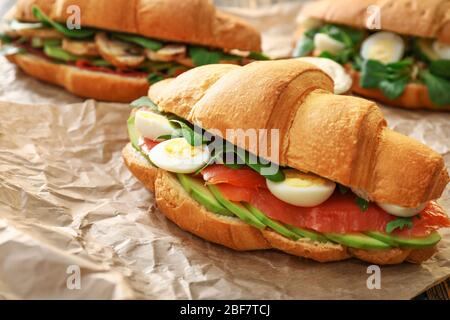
<point x="69" y="207"/>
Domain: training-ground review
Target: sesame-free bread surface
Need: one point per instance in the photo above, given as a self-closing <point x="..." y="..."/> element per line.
<point x="188" y="21"/>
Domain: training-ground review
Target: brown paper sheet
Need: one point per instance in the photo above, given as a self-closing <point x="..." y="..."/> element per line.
<point x="67" y="201"/>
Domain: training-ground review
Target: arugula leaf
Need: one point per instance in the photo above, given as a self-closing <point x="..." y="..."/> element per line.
<point x="440" y="68"/>
<point x="399" y="223"/>
<point x="78" y="34"/>
<point x="154" y="78"/>
<point x="145" y="102"/>
<point x="363" y="204"/>
<point x="304" y="47"/>
<point x="192" y="137"/>
<point x="142" y="41"/>
<point x="258" y="56"/>
<point x="342" y="189"/>
<point x="393" y="89"/>
<point x="438" y="88"/>
<point x="255" y="164"/>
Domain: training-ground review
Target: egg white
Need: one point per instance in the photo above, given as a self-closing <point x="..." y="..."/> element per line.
<point x="151" y="125"/>
<point x="302" y="189"/>
<point x="342" y="80"/>
<point x="399" y="211"/>
<point x="442" y="50"/>
<point x="324" y="42"/>
<point x="177" y="155"/>
<point x="386" y="47"/>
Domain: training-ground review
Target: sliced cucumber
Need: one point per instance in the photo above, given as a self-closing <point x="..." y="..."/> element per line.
<point x="237" y="208"/>
<point x="272" y="224"/>
<point x="201" y="194"/>
<point x="403" y="242"/>
<point x="310" y="234"/>
<point x="357" y="240"/>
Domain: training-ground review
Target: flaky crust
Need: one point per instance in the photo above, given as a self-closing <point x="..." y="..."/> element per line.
<point x="191" y="216"/>
<point x="342" y="138"/>
<point x="415" y="95"/>
<point x="423" y="18"/>
<point x="84" y="83"/>
<point x="189" y="21"/>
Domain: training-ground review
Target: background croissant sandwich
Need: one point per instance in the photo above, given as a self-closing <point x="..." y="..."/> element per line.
<point x="123" y="46"/>
<point x="342" y="184"/>
<point x="403" y="60"/>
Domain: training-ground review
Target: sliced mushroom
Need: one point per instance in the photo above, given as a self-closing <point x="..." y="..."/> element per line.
<point x="170" y="52"/>
<point x="43" y="33"/>
<point x="119" y="53"/>
<point x="186" y="62"/>
<point x="240" y="53"/>
<point x="80" y="48"/>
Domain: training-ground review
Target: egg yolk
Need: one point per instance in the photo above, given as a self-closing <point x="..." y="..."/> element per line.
<point x="302" y="180"/>
<point x="381" y="50"/>
<point x="180" y="149"/>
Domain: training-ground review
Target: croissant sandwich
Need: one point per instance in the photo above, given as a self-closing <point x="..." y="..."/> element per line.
<point x="397" y="51"/>
<point x="266" y="156"/>
<point x="120" y="47"/>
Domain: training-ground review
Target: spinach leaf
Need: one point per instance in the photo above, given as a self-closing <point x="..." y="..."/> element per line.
<point x="399" y="223"/>
<point x="201" y="56"/>
<point x="78" y="34"/>
<point x="142" y="41"/>
<point x="304" y="47"/>
<point x="440" y="68"/>
<point x="438" y="88"/>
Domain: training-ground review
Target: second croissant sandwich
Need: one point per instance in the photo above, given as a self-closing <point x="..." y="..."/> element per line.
<point x="121" y="47"/>
<point x="266" y="156"/>
<point x="397" y="51"/>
